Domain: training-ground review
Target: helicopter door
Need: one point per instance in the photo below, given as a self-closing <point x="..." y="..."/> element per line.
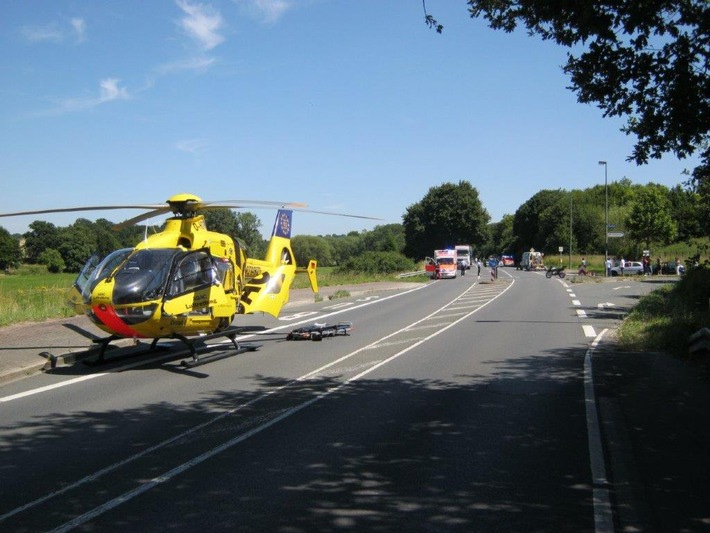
<point x="195" y="288"/>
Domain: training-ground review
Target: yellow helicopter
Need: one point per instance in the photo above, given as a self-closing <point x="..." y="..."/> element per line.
<point x="185" y="280"/>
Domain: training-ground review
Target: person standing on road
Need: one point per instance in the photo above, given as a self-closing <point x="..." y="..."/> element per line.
<point x="608" y="266"/>
<point x="478" y="265"/>
<point x="493" y="263"/>
<point x="622" y="265"/>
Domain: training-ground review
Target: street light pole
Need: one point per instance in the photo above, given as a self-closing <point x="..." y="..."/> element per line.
<point x="606" y="218"/>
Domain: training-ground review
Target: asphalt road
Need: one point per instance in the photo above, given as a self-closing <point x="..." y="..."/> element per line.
<point x="458" y="406"/>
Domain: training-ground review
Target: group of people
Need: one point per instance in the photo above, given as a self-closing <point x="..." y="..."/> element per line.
<point x="463" y="266"/>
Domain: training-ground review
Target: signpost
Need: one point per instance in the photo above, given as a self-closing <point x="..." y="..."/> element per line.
<point x="613" y="234"/>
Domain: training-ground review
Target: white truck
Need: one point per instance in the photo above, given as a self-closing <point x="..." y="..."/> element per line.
<point x="464" y="252"/>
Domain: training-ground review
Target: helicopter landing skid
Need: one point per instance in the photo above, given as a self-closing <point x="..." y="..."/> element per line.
<point x="230" y="333"/>
<point x="101" y="359"/>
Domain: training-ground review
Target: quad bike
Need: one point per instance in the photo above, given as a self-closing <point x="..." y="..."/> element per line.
<point x="555" y="271"/>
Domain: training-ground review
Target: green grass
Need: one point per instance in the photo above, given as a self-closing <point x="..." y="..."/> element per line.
<point x="34" y="297"/>
<point x="664" y="319"/>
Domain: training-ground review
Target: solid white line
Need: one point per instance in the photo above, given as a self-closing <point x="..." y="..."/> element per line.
<point x="51" y="387"/>
<point x="115" y="502"/>
<point x="603" y="516"/>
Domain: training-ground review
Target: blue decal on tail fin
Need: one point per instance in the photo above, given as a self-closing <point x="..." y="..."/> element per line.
<point x="282" y="225"/>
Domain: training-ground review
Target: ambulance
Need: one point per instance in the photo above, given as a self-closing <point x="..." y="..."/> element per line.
<point x="446" y="261"/>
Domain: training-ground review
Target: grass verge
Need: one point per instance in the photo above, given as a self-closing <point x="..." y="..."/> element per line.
<point x="664" y="319"/>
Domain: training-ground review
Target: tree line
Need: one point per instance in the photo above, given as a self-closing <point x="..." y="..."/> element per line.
<point x="448" y="214"/>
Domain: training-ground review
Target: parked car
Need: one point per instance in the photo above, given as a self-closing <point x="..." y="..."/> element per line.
<point x="632" y="267"/>
<point x="507" y="260"/>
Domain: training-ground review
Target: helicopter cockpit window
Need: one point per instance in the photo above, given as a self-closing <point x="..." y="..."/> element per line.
<point x="143" y="276"/>
<point x="225" y="272"/>
<point x="193" y="271"/>
<point x="102" y="271"/>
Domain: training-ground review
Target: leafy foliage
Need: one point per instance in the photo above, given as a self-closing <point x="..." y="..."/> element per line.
<point x="307" y="247"/>
<point x="447" y="215"/>
<point x="646" y="61"/>
<point x="378" y="263"/>
<point x="241" y="226"/>
<point x="649" y="219"/>
<point x="53" y="260"/>
<point x="10" y="252"/>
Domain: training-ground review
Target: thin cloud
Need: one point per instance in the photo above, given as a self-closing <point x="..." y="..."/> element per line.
<point x="266" y="10"/>
<point x="79" y="26"/>
<point x="42" y="34"/>
<point x="192" y="146"/>
<point x="272" y="9"/>
<point x="55" y="33"/>
<point x="109" y="91"/>
<point x="201" y="63"/>
<point x="202" y="24"/>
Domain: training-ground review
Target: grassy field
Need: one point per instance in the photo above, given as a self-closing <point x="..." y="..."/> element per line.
<point x="34" y="297"/>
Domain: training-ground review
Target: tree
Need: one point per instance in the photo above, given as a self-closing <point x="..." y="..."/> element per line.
<point x="42" y="235"/>
<point x="686" y="212"/>
<point x="76" y="244"/>
<point x="501" y="239"/>
<point x="242" y="227"/>
<point x="384" y="238"/>
<point x="527" y="219"/>
<point x="53" y="260"/>
<point x="649" y="219"/>
<point x="307" y="247"/>
<point x="10" y="251"/>
<point x="645" y="61"/>
<point x="447" y="215"/>
<point x="345" y="246"/>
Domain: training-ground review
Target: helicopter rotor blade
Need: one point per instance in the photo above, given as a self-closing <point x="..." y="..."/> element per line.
<point x="140" y="218"/>
<point x="243" y="204"/>
<point x="336" y="214"/>
<point x="77" y="209"/>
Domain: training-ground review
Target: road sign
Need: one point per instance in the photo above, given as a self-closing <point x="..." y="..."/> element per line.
<point x="613" y="234"/>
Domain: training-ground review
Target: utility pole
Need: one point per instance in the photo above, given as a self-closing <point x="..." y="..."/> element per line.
<point x="606" y="217"/>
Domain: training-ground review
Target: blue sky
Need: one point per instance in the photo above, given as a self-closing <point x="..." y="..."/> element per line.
<point x="352" y="106"/>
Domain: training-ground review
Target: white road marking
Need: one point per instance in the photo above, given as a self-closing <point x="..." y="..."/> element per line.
<point x="51" y="387"/>
<point x="603" y="516"/>
<point x="589" y="331"/>
<point x="576" y="302"/>
<point x="581" y="313"/>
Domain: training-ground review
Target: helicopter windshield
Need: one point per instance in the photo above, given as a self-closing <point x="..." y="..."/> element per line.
<point x="93" y="273"/>
<point x="143" y="276"/>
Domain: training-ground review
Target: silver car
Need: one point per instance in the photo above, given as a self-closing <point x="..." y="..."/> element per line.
<point x="631" y="267"/>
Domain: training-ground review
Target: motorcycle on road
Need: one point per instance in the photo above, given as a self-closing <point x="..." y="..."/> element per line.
<point x="555" y="271"/>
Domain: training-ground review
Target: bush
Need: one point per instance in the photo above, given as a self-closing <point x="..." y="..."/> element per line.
<point x="53" y="260"/>
<point x="378" y="263"/>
